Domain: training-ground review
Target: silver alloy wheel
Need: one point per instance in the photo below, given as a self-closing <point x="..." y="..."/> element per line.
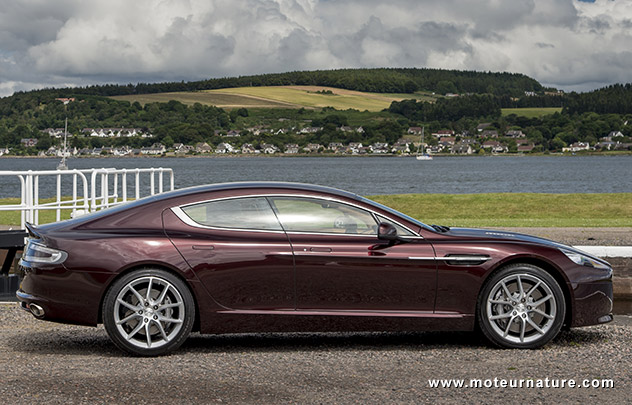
<point x="521" y="308"/>
<point x="149" y="312"/>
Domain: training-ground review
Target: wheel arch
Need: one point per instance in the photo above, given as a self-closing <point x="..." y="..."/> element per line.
<point x="157" y="266"/>
<point x="551" y="269"/>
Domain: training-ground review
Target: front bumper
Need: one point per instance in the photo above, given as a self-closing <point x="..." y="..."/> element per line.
<point x="593" y="303"/>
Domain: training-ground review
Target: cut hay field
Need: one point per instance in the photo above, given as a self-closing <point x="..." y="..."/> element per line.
<point x="302" y="97"/>
<point x="222" y="100"/>
<point x="281" y="97"/>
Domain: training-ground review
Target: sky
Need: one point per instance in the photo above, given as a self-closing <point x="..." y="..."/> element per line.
<point x="567" y="44"/>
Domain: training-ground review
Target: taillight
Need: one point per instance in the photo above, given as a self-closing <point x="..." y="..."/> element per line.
<point x="37" y="253"/>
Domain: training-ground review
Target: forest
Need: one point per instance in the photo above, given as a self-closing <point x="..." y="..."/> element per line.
<point x="585" y="117"/>
<point x="381" y="80"/>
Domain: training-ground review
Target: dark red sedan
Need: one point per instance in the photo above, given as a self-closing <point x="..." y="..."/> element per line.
<point x="254" y="257"/>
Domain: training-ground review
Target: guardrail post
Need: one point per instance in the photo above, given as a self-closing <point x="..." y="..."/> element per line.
<point x="74" y="194"/>
<point x="124" y="184"/>
<point x="137" y="185"/>
<point x="58" y="199"/>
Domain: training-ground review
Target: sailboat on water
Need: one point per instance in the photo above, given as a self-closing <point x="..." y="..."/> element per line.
<point x="421" y="155"/>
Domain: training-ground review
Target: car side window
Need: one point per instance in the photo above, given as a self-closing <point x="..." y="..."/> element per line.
<point x="301" y="214"/>
<point x="401" y="231"/>
<point x="235" y="213"/>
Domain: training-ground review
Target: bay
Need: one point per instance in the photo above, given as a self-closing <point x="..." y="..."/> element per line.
<point x="373" y="175"/>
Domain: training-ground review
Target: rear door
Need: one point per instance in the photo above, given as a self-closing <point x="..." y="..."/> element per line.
<point x="238" y="250"/>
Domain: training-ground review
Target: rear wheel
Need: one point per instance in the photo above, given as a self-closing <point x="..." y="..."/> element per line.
<point x="521" y="306"/>
<point x="148" y="312"/>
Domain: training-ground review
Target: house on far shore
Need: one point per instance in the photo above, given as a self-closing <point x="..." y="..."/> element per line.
<point x="462" y="149"/>
<point x="515" y="134"/>
<point x="203" y="147"/>
<point x="248" y="149"/>
<point x="444" y="133"/>
<point x="489" y="133"/>
<point x="269" y="149"/>
<point x="576" y="147"/>
<point x="224" y="148"/>
<point x="182" y="149"/>
<point x="28" y="142"/>
<point x="312" y="147"/>
<point x="291" y="148"/>
<point x="495" y="146"/>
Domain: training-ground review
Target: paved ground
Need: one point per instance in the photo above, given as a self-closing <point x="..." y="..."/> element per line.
<point x="42" y="362"/>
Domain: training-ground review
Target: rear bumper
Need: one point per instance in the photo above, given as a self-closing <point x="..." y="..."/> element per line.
<point x="63" y="296"/>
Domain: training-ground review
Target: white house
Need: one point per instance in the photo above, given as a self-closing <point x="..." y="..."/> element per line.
<point x="224" y="147"/>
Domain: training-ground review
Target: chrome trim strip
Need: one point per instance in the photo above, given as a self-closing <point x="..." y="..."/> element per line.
<point x="333" y="312"/>
<point x="332" y="234"/>
<point x="453" y="258"/>
<point x="187" y="220"/>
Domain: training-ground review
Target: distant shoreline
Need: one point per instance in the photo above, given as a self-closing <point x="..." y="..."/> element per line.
<point x="321" y="155"/>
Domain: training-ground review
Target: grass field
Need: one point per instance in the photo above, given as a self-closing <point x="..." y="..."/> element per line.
<point x="531" y="112"/>
<point x="515" y="209"/>
<point x="307" y="96"/>
<point x="281" y="97"/>
<point x="481" y="210"/>
<point x="223" y="100"/>
<point x="302" y="96"/>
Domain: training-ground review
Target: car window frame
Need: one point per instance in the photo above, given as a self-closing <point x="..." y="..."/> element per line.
<point x="177" y="210"/>
<point x="184" y="217"/>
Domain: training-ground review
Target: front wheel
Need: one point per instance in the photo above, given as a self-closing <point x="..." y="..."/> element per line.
<point x="521" y="307"/>
<point x="148" y="312"/>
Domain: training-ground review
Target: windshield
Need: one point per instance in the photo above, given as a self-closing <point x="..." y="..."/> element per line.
<point x="395" y="212"/>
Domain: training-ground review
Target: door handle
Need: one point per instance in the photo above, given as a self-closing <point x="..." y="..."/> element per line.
<point x="203" y="247"/>
<point x="321" y="249"/>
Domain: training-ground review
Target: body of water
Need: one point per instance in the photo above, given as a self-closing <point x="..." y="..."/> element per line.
<point x="375" y="175"/>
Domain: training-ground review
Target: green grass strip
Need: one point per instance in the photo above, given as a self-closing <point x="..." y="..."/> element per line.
<point x="515" y="209"/>
<point x="477" y="210"/>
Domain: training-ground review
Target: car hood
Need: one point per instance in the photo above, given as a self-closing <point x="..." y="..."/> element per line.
<point x="513" y="236"/>
<point x="500" y="235"/>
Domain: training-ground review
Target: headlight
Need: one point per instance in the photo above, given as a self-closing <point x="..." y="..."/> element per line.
<point x="35" y="252"/>
<point x="584" y="260"/>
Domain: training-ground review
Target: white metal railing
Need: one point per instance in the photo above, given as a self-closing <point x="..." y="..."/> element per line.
<point x="82" y="190"/>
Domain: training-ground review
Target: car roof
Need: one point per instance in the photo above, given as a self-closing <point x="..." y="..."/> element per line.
<point x="256" y="185"/>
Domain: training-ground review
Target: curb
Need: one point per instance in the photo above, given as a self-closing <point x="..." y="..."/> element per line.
<point x="607" y="251"/>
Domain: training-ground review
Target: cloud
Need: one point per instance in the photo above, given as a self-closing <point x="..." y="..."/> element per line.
<point x="563" y="43"/>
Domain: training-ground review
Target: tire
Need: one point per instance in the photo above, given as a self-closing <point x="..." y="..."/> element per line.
<point x="521" y="307"/>
<point x="148" y="312"/>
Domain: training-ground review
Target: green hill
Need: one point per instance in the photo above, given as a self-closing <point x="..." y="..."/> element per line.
<point x="377" y="80"/>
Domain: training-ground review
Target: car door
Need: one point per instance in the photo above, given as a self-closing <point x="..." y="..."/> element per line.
<point x="342" y="265"/>
<point x="238" y="250"/>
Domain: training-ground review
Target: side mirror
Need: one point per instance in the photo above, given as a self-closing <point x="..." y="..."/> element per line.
<point x="386" y="231"/>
